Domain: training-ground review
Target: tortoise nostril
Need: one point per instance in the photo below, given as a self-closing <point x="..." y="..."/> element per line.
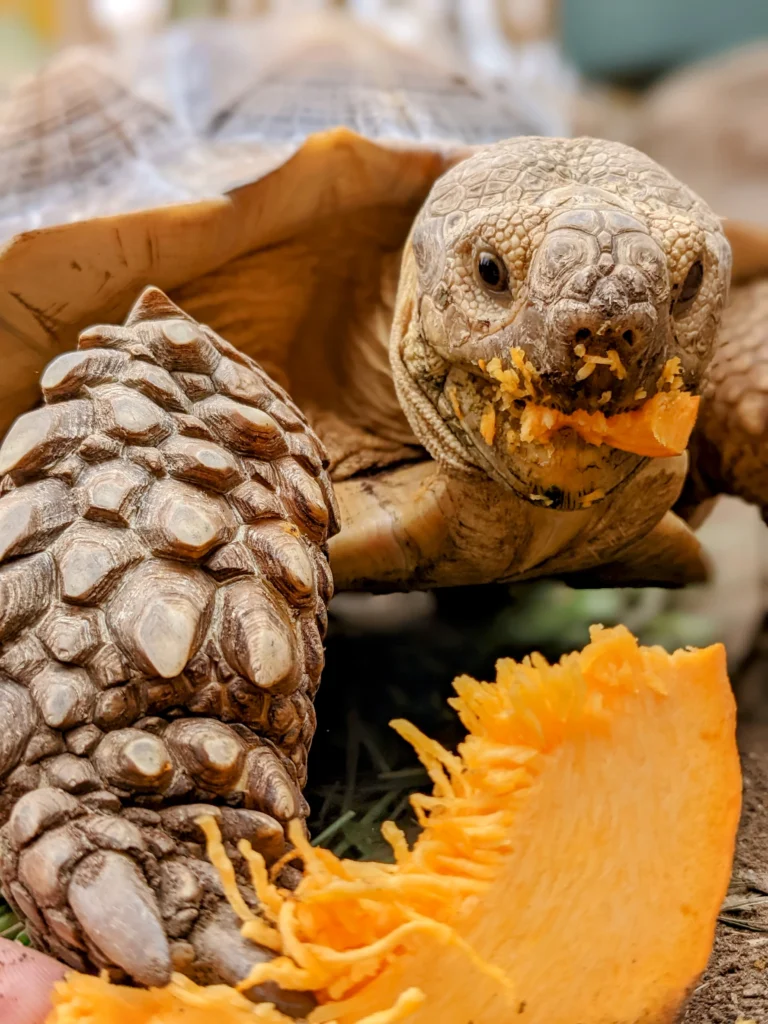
<point x="628" y="336"/>
<point x="583" y="334"/>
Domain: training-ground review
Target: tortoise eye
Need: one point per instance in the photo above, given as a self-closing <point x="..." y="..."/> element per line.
<point x="690" y="289"/>
<point x="492" y="271"/>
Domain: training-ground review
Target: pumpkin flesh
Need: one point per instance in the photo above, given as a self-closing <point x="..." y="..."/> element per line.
<point x="572" y="862"/>
<point x="660" y="427"/>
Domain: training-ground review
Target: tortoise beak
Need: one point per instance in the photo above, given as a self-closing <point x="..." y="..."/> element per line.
<point x="563" y="472"/>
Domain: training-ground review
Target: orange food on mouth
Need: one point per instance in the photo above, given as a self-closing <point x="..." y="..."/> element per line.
<point x="661" y="426"/>
<point x="573" y="858"/>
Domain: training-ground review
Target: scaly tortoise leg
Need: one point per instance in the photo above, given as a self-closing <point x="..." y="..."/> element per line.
<point x="163" y="593"/>
<point x="730" y="444"/>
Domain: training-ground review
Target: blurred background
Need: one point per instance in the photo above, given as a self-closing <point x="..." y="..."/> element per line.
<point x="685" y="80"/>
<point x="615" y="39"/>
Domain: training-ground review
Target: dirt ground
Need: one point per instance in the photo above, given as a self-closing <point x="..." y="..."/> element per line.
<point x="735" y="986"/>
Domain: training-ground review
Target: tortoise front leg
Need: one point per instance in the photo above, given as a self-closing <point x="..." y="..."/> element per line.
<point x="730" y="444"/>
<point x="163" y="592"/>
<point x="420" y="526"/>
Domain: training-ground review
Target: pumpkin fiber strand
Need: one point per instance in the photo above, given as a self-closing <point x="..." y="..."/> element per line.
<point x="573" y="858"/>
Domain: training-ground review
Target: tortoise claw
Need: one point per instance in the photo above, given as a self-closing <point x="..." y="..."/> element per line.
<point x="130" y="891"/>
<point x="228" y="956"/>
<point x="120" y="917"/>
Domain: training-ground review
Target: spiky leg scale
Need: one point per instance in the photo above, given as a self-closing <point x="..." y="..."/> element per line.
<point x="163" y="592"/>
<point x="730" y="444"/>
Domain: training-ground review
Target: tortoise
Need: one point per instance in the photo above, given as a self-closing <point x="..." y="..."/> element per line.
<point x="328" y="296"/>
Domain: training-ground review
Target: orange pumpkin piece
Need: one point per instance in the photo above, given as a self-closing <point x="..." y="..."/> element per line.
<point x="661" y="426"/>
<point x="572" y="862"/>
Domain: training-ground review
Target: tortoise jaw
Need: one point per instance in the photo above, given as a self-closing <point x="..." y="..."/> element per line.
<point x="563" y="472"/>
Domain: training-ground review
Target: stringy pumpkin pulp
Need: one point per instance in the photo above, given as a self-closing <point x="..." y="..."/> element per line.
<point x="573" y="859"/>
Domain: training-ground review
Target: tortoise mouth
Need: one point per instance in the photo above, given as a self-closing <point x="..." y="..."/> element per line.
<point x="660" y="427"/>
<point x="564" y="459"/>
<point x="567" y="475"/>
<point x="561" y="470"/>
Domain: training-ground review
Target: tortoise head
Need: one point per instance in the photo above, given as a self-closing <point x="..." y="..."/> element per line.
<point x="561" y="274"/>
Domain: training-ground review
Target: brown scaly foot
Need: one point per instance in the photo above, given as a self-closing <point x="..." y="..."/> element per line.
<point x="163" y="595"/>
<point x="730" y="445"/>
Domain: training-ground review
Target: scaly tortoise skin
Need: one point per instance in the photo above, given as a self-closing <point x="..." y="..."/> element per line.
<point x="177" y="492"/>
<point x="163" y="592"/>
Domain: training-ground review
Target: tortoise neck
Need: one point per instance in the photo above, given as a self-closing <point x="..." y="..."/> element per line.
<point x="422" y="526"/>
